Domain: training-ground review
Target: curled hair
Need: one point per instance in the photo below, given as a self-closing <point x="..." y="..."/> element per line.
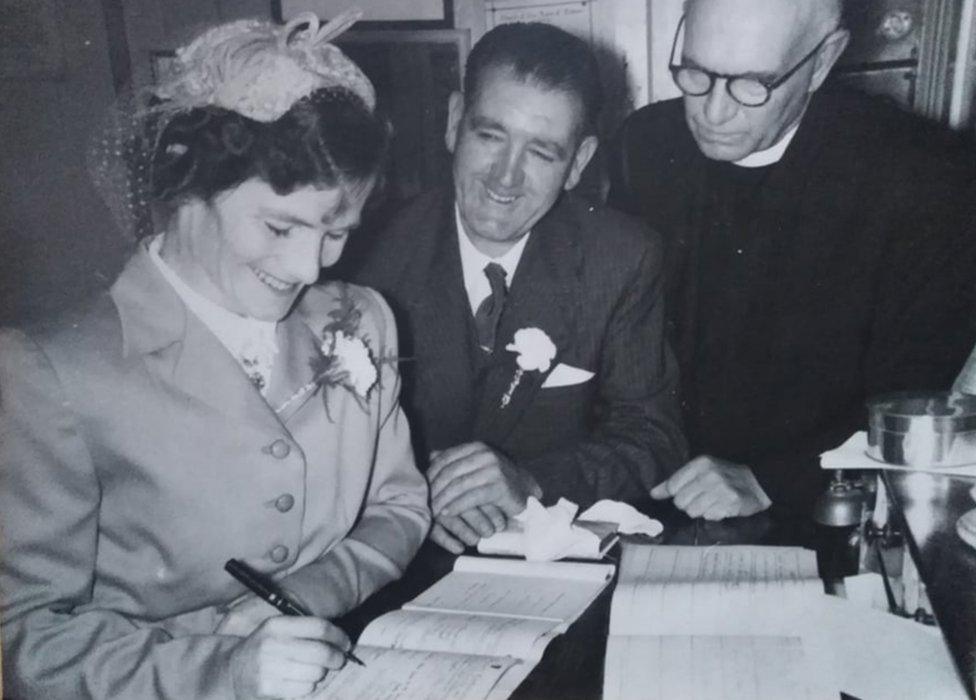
<point x="540" y="53"/>
<point x="327" y="139"/>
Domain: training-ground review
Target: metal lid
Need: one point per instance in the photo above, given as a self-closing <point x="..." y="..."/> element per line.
<point x="940" y="412"/>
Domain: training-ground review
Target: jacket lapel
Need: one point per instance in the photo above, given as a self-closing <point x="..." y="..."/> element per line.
<point x="178" y="348"/>
<point x="292" y="378"/>
<point x="449" y="310"/>
<point x="543" y="295"/>
<point x="438" y="349"/>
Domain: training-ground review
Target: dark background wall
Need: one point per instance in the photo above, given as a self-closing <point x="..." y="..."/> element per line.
<point x="55" y="240"/>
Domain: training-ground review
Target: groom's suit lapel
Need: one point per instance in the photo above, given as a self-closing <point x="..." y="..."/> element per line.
<point x="441" y="322"/>
<point x="542" y="295"/>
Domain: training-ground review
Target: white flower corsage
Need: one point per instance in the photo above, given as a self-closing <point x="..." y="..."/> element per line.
<point x="353" y="366"/>
<point x="344" y="358"/>
<point x="535" y="354"/>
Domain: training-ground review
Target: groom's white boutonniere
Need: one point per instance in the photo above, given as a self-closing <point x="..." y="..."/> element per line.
<point x="535" y="354"/>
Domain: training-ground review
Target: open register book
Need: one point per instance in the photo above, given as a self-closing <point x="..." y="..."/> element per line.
<point x="476" y="633"/>
<point x="723" y="622"/>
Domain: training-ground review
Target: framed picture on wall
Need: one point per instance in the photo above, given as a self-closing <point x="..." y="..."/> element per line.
<point x="884" y="31"/>
<point x="414" y="73"/>
<point x="30" y="39"/>
<point x="575" y="16"/>
<point x="377" y="14"/>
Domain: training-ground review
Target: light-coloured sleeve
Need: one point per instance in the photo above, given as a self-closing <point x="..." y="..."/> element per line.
<point x="395" y="516"/>
<point x="53" y="647"/>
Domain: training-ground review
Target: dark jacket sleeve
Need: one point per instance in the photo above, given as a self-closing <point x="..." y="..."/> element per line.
<point x="636" y="439"/>
<point x="920" y="328"/>
<point x="622" y="195"/>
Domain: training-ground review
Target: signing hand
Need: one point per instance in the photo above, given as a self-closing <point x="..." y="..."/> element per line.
<point x="714" y="489"/>
<point x="286" y="656"/>
<point x="473" y="490"/>
<point x="245" y="615"/>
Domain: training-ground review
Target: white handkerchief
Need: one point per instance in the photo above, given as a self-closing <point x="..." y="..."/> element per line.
<point x="544" y="534"/>
<point x="548" y="532"/>
<point x="566" y="375"/>
<point x="630" y="521"/>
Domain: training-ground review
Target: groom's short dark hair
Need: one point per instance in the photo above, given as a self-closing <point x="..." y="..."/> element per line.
<point x="543" y="54"/>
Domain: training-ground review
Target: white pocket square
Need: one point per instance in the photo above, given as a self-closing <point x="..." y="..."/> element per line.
<point x="565" y="375"/>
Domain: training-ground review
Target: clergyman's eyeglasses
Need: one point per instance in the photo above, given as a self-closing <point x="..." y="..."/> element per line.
<point x="748" y="91"/>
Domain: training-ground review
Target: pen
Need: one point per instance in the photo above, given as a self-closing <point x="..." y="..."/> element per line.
<point x="270" y="592"/>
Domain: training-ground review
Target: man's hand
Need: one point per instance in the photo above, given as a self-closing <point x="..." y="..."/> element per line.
<point x="714" y="489"/>
<point x="473" y="492"/>
<point x="453" y="532"/>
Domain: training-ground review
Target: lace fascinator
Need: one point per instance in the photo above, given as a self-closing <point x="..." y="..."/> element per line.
<point x="252" y="67"/>
<point x="260" y="70"/>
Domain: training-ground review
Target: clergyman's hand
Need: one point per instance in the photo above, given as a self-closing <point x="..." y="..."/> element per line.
<point x="714" y="489"/>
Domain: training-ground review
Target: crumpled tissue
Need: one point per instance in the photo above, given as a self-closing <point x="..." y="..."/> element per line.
<point x="630" y="521"/>
<point x="545" y="534"/>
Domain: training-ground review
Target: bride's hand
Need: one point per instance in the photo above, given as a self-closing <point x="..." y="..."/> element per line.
<point x="285" y="657"/>
<point x="245" y="615"/>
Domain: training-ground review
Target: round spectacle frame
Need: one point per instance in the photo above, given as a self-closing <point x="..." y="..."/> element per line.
<point x="746" y="90"/>
<point x="696" y="82"/>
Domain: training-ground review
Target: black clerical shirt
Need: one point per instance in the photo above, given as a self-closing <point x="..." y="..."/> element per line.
<point x="798" y="290"/>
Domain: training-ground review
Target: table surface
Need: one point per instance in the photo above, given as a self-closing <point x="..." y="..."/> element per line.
<point x="927" y="507"/>
<point x="572" y="667"/>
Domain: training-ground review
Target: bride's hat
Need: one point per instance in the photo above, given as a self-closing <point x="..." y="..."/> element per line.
<point x="260" y="70"/>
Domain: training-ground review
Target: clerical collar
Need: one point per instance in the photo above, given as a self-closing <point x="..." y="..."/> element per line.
<point x="773" y="154"/>
<point x="251" y="341"/>
<point x="473" y="263"/>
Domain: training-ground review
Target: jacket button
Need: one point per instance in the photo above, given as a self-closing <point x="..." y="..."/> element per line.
<point x="284" y="503"/>
<point x="279" y="449"/>
<point x="279" y="553"/>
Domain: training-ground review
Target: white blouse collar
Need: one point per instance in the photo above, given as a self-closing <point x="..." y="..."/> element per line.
<point x="252" y="342"/>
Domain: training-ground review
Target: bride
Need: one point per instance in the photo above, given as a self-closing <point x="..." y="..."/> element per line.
<point x="216" y="402"/>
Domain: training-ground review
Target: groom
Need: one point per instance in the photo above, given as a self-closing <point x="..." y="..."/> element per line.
<point x="530" y="323"/>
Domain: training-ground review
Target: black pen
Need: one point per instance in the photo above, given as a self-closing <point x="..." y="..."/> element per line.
<point x="270" y="592"/>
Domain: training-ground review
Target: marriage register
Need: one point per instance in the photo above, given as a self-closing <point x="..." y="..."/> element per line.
<point x="475" y="634"/>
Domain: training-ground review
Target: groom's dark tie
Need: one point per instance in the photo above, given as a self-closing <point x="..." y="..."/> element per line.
<point x="490" y="310"/>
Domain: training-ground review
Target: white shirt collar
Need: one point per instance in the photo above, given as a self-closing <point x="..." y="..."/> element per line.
<point x="251" y="341"/>
<point x="473" y="263"/>
<point x="771" y="155"/>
